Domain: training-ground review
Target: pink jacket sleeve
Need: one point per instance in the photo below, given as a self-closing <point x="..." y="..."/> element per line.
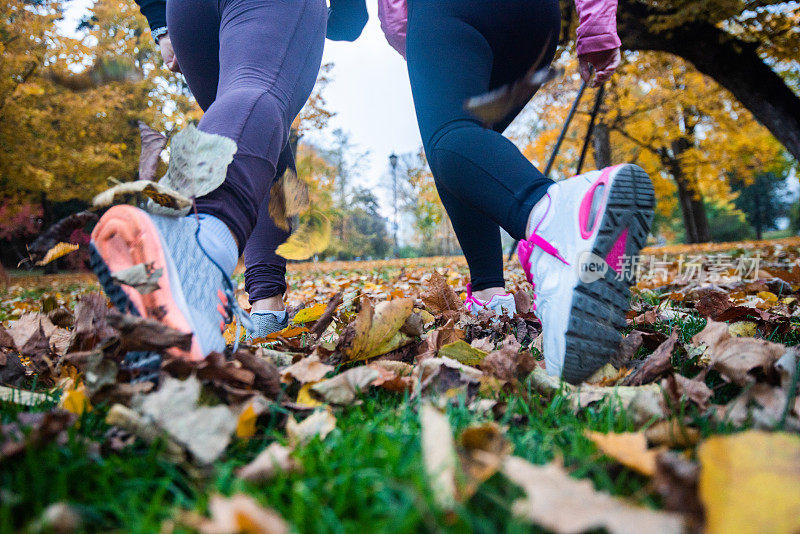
<point x="394" y="22"/>
<point x="597" y="25"/>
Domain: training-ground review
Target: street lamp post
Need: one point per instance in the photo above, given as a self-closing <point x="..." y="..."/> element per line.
<point x="393" y="162"/>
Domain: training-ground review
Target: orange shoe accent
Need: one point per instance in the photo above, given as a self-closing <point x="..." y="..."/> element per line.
<point x="125" y="236"/>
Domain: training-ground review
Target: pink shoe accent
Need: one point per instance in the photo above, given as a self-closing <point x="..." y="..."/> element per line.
<point x="471" y="301"/>
<point x="586" y="203"/>
<point x="614" y="258"/>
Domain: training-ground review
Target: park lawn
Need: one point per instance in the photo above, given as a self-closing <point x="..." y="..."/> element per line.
<point x="368" y="474"/>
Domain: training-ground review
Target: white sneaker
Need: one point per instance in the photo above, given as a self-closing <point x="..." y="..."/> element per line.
<point x="499" y="304"/>
<point x="579" y="260"/>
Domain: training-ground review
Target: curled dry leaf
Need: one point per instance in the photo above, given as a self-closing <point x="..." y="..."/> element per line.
<point x="143" y="278"/>
<point x="655" y="364"/>
<point x="59" y="232"/>
<point x="288" y="197"/>
<point x="676" y="482"/>
<point x="672" y="434"/>
<point x="320" y="423"/>
<point x="565" y="505"/>
<point x="131" y="421"/>
<point x="240" y="514"/>
<point x="680" y="388"/>
<point x="376" y="331"/>
<point x="153" y="144"/>
<point x="440" y="337"/>
<point x="627" y="350"/>
<point x="306" y="370"/>
<point x="273" y="460"/>
<point x="158" y="193"/>
<point x="748" y="482"/>
<point x="444" y="376"/>
<point x="58" y="251"/>
<point x="344" y="388"/>
<point x="394" y="376"/>
<point x="734" y="357"/>
<point x="482" y="449"/>
<point x="310" y="238"/>
<point x="143" y="334"/>
<point x="439" y="455"/>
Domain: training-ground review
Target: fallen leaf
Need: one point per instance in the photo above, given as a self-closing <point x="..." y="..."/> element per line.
<point x="240" y="514"/>
<point x="439" y="455"/>
<point x="462" y="352"/>
<point x="289" y="196"/>
<point x="310" y="238"/>
<point x="12" y="371"/>
<point x="61" y="231"/>
<point x="655" y="364"/>
<point x="748" y="482"/>
<point x="308" y="315"/>
<point x="308" y="369"/>
<point x="743" y="329"/>
<point x="246" y="423"/>
<point x="143" y="334"/>
<point x="343" y="388"/>
<point x="58" y="251"/>
<point x="672" y="434"/>
<point x="267" y="377"/>
<point x="273" y="460"/>
<point x="304" y="397"/>
<point x="376" y="331"/>
<point x="320" y="423"/>
<point x="198" y="162"/>
<point x="205" y="431"/>
<point x="447" y="377"/>
<point x="627" y="350"/>
<point x="440" y="337"/>
<point x="91" y="323"/>
<point x="680" y="388"/>
<point x="629" y="449"/>
<point x="712" y="303"/>
<point x="44" y="428"/>
<point x="141" y="277"/>
<point x="482" y="449"/>
<point x="59" y="518"/>
<point x="676" y="481"/>
<point x="736" y="358"/>
<point x="439" y="296"/>
<point x="508" y="363"/>
<point x="394" y="376"/>
<point x="565" y="505"/>
<point x="608" y="375"/>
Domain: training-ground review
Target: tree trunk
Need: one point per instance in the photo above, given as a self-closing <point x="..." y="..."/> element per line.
<point x="695" y="219"/>
<point x="601" y="142"/>
<point x="733" y="63"/>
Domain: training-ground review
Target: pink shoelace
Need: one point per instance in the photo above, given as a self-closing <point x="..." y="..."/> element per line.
<point x="471" y="301"/>
<point x="525" y="250"/>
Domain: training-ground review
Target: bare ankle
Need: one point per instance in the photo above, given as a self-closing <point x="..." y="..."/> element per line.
<point x="269" y="304"/>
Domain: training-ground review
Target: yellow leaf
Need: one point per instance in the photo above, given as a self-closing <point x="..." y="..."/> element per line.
<point x="58" y="251"/>
<point x="246" y="423"/>
<point x="312" y="237"/>
<point x="742" y="329"/>
<point x="629" y="449"/>
<point x="767" y="296"/>
<point x="749" y="483"/>
<point x="304" y="397"/>
<point x="463" y="352"/>
<point x="377" y="330"/>
<point x="307" y="315"/>
<point x="75" y="401"/>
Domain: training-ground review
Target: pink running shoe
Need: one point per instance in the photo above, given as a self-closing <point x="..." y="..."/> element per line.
<point x="499" y="304"/>
<point x="579" y="263"/>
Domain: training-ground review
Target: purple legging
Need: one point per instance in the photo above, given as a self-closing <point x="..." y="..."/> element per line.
<point x="251" y="65"/>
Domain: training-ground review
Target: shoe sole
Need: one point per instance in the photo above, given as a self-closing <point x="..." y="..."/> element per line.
<point x="124" y="237"/>
<point x="599" y="308"/>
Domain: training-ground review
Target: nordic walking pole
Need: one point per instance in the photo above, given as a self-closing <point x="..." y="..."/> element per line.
<point x="560" y="140"/>
<point x="590" y="130"/>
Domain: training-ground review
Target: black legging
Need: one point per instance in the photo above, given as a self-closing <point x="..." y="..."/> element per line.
<point x="457" y="49"/>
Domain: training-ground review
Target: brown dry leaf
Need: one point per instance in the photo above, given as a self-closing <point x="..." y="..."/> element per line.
<point x="307" y="370"/>
<point x="676" y="482"/>
<point x="608" y="375"/>
<point x="672" y="434"/>
<point x="143" y="334"/>
<point x="394" y="376"/>
<point x="735" y="358"/>
<point x="748" y="482"/>
<point x="439" y="455"/>
<point x="205" y="431"/>
<point x="153" y="144"/>
<point x="565" y="505"/>
<point x="655" y="364"/>
<point x="158" y="193"/>
<point x="482" y="449"/>
<point x="26" y="327"/>
<point x="462" y="352"/>
<point x="447" y="377"/>
<point x="376" y="331"/>
<point x="627" y="350"/>
<point x="508" y="363"/>
<point x="320" y="423"/>
<point x="712" y="303"/>
<point x="678" y="387"/>
<point x="288" y="197"/>
<point x="267" y="378"/>
<point x="439" y="296"/>
<point x="273" y="460"/>
<point x="629" y="449"/>
<point x="343" y="389"/>
<point x="240" y="514"/>
<point x="58" y="251"/>
<point x="440" y="337"/>
<point x="91" y="323"/>
<point x="44" y="428"/>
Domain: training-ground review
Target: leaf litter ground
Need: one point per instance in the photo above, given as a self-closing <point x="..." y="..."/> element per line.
<point x="386" y="407"/>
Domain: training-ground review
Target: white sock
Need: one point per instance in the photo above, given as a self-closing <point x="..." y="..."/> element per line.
<point x="218" y="242"/>
<point x="279" y="315"/>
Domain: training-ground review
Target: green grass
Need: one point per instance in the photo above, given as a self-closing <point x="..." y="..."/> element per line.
<point x="366" y="476"/>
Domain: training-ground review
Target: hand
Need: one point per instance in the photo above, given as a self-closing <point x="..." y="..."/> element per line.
<point x="604" y="62"/>
<point x="168" y="54"/>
